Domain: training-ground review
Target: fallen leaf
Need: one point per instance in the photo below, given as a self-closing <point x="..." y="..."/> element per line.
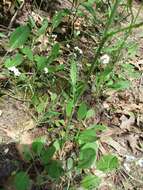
<point x="133" y="142"/>
<point x="126" y="122"/>
<point x="120" y="149"/>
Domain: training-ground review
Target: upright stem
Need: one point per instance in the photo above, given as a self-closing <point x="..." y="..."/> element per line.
<point x="104" y="38"/>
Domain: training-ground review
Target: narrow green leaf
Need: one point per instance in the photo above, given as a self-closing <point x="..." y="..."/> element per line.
<point x="121" y="85"/>
<point x="107" y="163"/>
<point x="43" y="28"/>
<point x="22" y="181"/>
<point x="82" y="111"/>
<point x="86" y="158"/>
<point x="57" y="18"/>
<point x="90" y="182"/>
<point x="69" y="108"/>
<point x="73" y="73"/>
<point x="54" y="53"/>
<point x="19" y="36"/>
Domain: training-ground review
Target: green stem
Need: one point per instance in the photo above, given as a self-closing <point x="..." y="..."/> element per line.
<point x="105" y="37"/>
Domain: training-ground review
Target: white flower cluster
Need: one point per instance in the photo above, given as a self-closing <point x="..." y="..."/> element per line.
<point x="46" y="70"/>
<point x="78" y="50"/>
<point x="15" y="71"/>
<point x="105" y="59"/>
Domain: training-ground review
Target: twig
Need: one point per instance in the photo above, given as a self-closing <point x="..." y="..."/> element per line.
<point x="15" y="15"/>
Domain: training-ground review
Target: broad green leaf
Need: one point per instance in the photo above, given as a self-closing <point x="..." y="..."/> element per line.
<point x="88" y="135"/>
<point x="93" y="145"/>
<point x="54" y="169"/>
<point x="69" y="108"/>
<point x="43" y="28"/>
<point x="57" y="18"/>
<point x="22" y="181"/>
<point x="38" y="145"/>
<point x="121" y="85"/>
<point x="82" y="111"/>
<point x="90" y="113"/>
<point x="86" y="158"/>
<point x="28" y="52"/>
<point x="15" y="61"/>
<point x="90" y="182"/>
<point x="19" y="36"/>
<point x="107" y="163"/>
<point x="47" y="154"/>
<point x="73" y="73"/>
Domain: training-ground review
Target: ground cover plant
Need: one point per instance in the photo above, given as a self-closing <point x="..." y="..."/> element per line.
<point x="63" y="62"/>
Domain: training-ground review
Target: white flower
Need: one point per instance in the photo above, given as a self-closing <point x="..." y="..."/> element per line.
<point x="127" y="167"/>
<point x="78" y="49"/>
<point x="68" y="46"/>
<point x="105" y="59"/>
<point x="140" y="162"/>
<point x="46" y="70"/>
<point x="130" y="158"/>
<point x="54" y="36"/>
<point x="15" y="71"/>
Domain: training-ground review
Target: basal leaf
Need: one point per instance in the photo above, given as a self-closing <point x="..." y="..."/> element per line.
<point x="86" y="158"/>
<point x="107" y="163"/>
<point x="47" y="154"/>
<point x="19" y="36"/>
<point x="15" y="61"/>
<point x="90" y="182"/>
<point x="28" y="52"/>
<point x="88" y="135"/>
<point x="41" y="62"/>
<point x="121" y="85"/>
<point x="82" y="111"/>
<point x="22" y="181"/>
<point x="69" y="108"/>
<point x="54" y="169"/>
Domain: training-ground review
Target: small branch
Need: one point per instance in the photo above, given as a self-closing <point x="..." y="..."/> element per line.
<point x="15" y="15"/>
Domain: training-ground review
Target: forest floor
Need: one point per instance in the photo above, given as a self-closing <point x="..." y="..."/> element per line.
<point x="121" y="111"/>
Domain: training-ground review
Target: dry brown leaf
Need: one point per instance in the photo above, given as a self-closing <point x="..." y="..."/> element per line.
<point x="120" y="149"/>
<point x="126" y="122"/>
<point x="133" y="142"/>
